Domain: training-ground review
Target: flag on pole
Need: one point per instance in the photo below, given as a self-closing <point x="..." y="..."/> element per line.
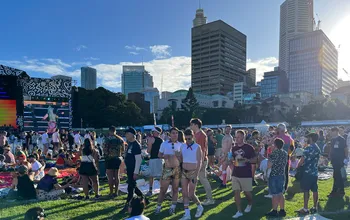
<point x="172" y="121"/>
<point x="154" y="119"/>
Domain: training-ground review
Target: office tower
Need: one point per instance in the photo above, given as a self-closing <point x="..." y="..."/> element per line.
<point x="218" y="58"/>
<point x="296" y="16"/>
<point x="88" y="78"/>
<point x="313" y="64"/>
<point x="152" y="96"/>
<point x="135" y="79"/>
<point x="251" y="77"/>
<point x="273" y="83"/>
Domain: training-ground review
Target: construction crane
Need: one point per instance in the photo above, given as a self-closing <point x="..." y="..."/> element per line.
<point x="345" y="71"/>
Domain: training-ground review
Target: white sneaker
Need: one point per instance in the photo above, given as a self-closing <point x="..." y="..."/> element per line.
<point x="199" y="211"/>
<point x="238" y="214"/>
<point x="186" y="217"/>
<point x="208" y="202"/>
<point x="268" y="196"/>
<point x="248" y="209"/>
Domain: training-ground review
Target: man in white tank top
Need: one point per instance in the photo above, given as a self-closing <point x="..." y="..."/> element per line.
<point x="191" y="156"/>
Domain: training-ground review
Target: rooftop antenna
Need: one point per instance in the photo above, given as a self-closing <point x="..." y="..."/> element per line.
<point x="200" y="4"/>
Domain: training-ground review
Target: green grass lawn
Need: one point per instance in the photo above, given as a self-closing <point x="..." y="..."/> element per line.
<point x="224" y="208"/>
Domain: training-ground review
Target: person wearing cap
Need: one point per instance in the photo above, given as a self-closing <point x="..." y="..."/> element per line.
<point x="24" y="184"/>
<point x="288" y="147"/>
<point x="338" y="156"/>
<point x="170" y="151"/>
<point x="48" y="187"/>
<point x="309" y="178"/>
<point x="113" y="149"/>
<point x="155" y="163"/>
<point x="22" y="159"/>
<point x="9" y="157"/>
<point x="133" y="162"/>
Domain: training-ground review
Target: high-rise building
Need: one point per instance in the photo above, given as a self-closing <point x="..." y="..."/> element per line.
<point x="200" y="19"/>
<point x="88" y="78"/>
<point x="251" y="77"/>
<point x="152" y="96"/>
<point x="218" y="58"/>
<point x="239" y="90"/>
<point x="274" y="82"/>
<point x="135" y="79"/>
<point x="313" y="64"/>
<point x="296" y="16"/>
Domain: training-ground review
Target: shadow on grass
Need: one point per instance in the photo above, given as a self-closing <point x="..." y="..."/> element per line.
<point x="95" y="214"/>
<point x="292" y="190"/>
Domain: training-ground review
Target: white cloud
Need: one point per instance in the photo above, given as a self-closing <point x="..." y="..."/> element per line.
<point x="133" y="47"/>
<point x="262" y="66"/>
<point x="88" y="63"/>
<point x="80" y="47"/>
<point x="134" y="53"/>
<point x="161" y="51"/>
<point x="91" y="58"/>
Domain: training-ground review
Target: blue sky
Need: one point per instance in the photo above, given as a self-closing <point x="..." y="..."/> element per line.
<point x="46" y="38"/>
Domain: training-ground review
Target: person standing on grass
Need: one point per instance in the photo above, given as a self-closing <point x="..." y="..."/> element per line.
<point x="155" y="163"/>
<point x="211" y="148"/>
<point x="243" y="155"/>
<point x="277" y="163"/>
<point x="338" y="155"/>
<point x="132" y="162"/>
<point x="288" y="147"/>
<point x="45" y="141"/>
<point x="309" y="179"/>
<point x="191" y="155"/>
<point x="89" y="168"/>
<point x="202" y="140"/>
<point x="77" y="140"/>
<point x="112" y="151"/>
<point x="219" y="136"/>
<point x="227" y="142"/>
<point x="170" y="151"/>
<point x="56" y="140"/>
<point x="255" y="142"/>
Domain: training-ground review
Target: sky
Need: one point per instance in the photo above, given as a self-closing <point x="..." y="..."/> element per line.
<point x="46" y="38"/>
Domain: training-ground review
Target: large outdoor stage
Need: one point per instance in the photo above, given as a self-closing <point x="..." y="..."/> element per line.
<point x="34" y="104"/>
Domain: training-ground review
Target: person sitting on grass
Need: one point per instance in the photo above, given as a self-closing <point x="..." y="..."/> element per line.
<point x="136" y="208"/>
<point x="24" y="184"/>
<point x="48" y="187"/>
<point x="22" y="160"/>
<point x="60" y="161"/>
<point x="277" y="162"/>
<point x="37" y="167"/>
<point x="36" y="213"/>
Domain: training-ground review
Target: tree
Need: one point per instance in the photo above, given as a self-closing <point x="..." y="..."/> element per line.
<point x="190" y="103"/>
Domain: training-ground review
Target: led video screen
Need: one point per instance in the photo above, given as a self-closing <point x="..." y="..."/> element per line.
<point x="8" y="113"/>
<point x="42" y="115"/>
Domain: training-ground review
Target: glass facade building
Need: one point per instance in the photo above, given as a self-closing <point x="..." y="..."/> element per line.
<point x="135" y="79"/>
<point x="313" y="64"/>
<point x="273" y="83"/>
<point x="88" y="78"/>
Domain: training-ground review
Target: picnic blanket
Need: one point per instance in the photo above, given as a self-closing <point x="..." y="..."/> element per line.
<point x="6" y="177"/>
<point x="310" y="217"/>
<point x="144" y="187"/>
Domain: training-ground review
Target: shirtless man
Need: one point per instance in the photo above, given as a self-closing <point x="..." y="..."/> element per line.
<point x="227" y="142"/>
<point x="170" y="152"/>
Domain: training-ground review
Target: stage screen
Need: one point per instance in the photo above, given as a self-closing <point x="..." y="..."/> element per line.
<point x="42" y="115"/>
<point x="8" y="113"/>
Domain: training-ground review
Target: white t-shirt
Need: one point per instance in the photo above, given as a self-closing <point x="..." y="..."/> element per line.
<point x="139" y="217"/>
<point x="167" y="148"/>
<point x="189" y="153"/>
<point x="55" y="137"/>
<point x="87" y="136"/>
<point x="77" y="139"/>
<point x="45" y="138"/>
<point x="36" y="166"/>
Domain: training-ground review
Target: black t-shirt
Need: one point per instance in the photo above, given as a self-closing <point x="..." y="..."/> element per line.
<point x="63" y="137"/>
<point x="155" y="147"/>
<point x="134" y="148"/>
<point x="26" y="188"/>
<point x="29" y="139"/>
<point x="338" y="146"/>
<point x="70" y="139"/>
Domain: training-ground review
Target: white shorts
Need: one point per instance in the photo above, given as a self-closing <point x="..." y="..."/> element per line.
<point x="156" y="167"/>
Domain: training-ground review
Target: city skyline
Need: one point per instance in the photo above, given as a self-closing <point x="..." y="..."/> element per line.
<point x="47" y="45"/>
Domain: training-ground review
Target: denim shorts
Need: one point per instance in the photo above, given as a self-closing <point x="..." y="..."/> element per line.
<point x="309" y="182"/>
<point x="276" y="185"/>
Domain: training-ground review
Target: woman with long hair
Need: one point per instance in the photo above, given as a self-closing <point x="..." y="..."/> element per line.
<point x="181" y="137"/>
<point x="88" y="168"/>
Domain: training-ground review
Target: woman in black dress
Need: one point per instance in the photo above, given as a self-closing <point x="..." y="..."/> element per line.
<point x="88" y="168"/>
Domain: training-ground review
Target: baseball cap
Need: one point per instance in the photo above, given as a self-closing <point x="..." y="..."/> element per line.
<point x="157" y="129"/>
<point x="131" y="130"/>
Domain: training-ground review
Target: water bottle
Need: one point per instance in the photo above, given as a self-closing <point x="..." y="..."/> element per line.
<point x="229" y="155"/>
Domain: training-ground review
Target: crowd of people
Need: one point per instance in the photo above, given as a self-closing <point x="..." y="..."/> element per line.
<point x="180" y="159"/>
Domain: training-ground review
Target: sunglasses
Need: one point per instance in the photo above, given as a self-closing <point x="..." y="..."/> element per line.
<point x="188" y="139"/>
